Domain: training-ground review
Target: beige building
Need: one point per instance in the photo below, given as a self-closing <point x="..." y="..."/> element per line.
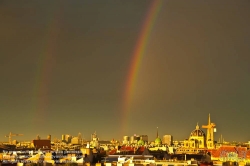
<point x="197" y="139"/>
<point x="75" y="140"/>
<point x="167" y="140"/>
<point x="125" y="140"/>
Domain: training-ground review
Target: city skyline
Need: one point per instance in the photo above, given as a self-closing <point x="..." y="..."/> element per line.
<point x="119" y="139"/>
<point x="124" y="67"/>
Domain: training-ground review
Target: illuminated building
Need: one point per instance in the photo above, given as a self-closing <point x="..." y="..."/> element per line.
<point x="144" y="138"/>
<point x="167" y="140"/>
<point x="196" y="139"/>
<point x="125" y="140"/>
<point x="158" y="141"/>
<point x="75" y="140"/>
<point x="68" y="138"/>
<point x="94" y="140"/>
<point x="49" y="137"/>
<point x="133" y="139"/>
<point x="63" y="137"/>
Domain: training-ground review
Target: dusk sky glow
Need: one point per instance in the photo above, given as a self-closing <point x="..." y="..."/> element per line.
<point x="66" y="67"/>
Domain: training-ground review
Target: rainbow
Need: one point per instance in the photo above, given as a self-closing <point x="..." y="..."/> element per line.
<point x="136" y="59"/>
<point x="45" y="65"/>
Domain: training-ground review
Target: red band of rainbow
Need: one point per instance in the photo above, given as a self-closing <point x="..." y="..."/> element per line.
<point x="137" y="57"/>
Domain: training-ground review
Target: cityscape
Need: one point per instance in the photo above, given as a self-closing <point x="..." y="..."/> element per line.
<point x="74" y="149"/>
<point x="94" y="141"/>
<point x="124" y="83"/>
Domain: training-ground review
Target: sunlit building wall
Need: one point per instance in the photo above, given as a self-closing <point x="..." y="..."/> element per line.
<point x="144" y="138"/>
<point x="68" y="138"/>
<point x="133" y="139"/>
<point x="167" y="140"/>
<point x="75" y="140"/>
<point x="125" y="140"/>
<point x="49" y="137"/>
<point x="63" y="137"/>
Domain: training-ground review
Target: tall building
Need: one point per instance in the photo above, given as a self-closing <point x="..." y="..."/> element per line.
<point x="133" y="139"/>
<point x="75" y="140"/>
<point x="167" y="140"/>
<point x="94" y="140"/>
<point x="68" y="138"/>
<point x="63" y="137"/>
<point x="80" y="137"/>
<point x="49" y="137"/>
<point x="38" y="137"/>
<point x="144" y="138"/>
<point x="125" y="140"/>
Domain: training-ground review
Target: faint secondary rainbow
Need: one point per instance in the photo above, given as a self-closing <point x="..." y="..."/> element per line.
<point x="45" y="63"/>
<point x="136" y="59"/>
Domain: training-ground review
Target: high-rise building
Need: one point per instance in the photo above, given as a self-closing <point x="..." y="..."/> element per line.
<point x="94" y="140"/>
<point x="63" y="137"/>
<point x="38" y="137"/>
<point x="49" y="137"/>
<point x="75" y="140"/>
<point x="133" y="139"/>
<point x="80" y="138"/>
<point x="167" y="140"/>
<point x="125" y="140"/>
<point x="79" y="135"/>
<point x="144" y="138"/>
<point x="68" y="138"/>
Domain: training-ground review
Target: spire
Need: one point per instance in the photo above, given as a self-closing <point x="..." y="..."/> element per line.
<point x="197" y="126"/>
<point x="209" y="119"/>
<point x="157" y="133"/>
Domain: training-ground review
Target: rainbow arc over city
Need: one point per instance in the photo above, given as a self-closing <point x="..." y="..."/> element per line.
<point x="45" y="63"/>
<point x="47" y="59"/>
<point x="136" y="59"/>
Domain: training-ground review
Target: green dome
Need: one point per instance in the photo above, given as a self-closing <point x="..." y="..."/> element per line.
<point x="140" y="142"/>
<point x="158" y="141"/>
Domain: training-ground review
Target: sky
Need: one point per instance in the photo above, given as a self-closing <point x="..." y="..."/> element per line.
<point x="67" y="67"/>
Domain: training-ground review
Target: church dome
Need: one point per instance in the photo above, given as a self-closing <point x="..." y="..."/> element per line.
<point x="158" y="141"/>
<point x="197" y="132"/>
<point x="140" y="142"/>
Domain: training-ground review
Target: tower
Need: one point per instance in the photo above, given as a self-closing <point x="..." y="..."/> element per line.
<point x="49" y="137"/>
<point x="38" y="137"/>
<point x="210" y="133"/>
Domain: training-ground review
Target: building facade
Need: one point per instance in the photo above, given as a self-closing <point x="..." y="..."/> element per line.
<point x="167" y="140"/>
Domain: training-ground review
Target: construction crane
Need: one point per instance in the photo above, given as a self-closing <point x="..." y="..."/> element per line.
<point x="11" y="135"/>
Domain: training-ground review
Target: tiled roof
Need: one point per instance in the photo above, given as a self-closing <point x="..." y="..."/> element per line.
<point x="223" y="150"/>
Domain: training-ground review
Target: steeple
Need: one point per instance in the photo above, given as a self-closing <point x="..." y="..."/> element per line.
<point x="157" y="133"/>
<point x="197" y="126"/>
<point x="209" y="122"/>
